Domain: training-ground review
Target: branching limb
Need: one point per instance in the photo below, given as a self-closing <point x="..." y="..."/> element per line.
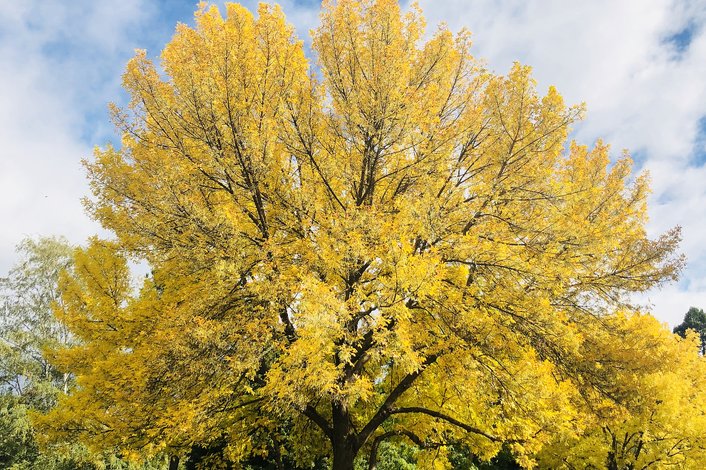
<point x="384" y="411"/>
<point x="443" y="417"/>
<point x="311" y="413"/>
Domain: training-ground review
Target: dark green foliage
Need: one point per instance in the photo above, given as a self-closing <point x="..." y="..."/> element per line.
<point x="396" y="455"/>
<point x="282" y="463"/>
<point x="213" y="456"/>
<point x="695" y="319"/>
<point x="462" y="458"/>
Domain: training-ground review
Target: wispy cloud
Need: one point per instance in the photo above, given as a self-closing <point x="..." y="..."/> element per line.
<point x="55" y="59"/>
<point x="61" y="63"/>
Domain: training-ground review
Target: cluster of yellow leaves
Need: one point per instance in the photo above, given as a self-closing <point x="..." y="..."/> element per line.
<point x="402" y="247"/>
<point x="664" y="394"/>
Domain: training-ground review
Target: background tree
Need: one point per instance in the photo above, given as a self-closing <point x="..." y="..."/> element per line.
<point x="665" y="417"/>
<point x="27" y="323"/>
<point x="29" y="382"/>
<point x="695" y="319"/>
<point x="403" y="251"/>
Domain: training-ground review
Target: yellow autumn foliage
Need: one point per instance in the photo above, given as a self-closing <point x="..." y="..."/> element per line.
<point x="391" y="243"/>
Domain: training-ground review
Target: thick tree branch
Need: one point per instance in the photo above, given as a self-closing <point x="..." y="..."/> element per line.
<point x="384" y="411"/>
<point x="311" y="413"/>
<point x="443" y="417"/>
<point x="362" y="347"/>
<point x="289" y="330"/>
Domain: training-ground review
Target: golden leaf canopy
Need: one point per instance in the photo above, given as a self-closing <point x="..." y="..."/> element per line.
<point x="390" y="243"/>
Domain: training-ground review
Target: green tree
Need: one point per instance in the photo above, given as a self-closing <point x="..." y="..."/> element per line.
<point x="17" y="443"/>
<point x="695" y="319"/>
<point x="28" y="325"/>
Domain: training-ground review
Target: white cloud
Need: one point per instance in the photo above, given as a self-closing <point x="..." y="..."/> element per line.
<point x="61" y="63"/>
<point x="59" y="58"/>
<point x="671" y="302"/>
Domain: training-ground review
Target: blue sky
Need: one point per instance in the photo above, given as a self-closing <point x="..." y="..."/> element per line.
<point x="639" y="65"/>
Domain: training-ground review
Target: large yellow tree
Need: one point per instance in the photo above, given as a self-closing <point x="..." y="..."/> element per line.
<point x="394" y="243"/>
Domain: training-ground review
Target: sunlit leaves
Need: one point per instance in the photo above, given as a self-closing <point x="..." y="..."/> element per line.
<point x="394" y="245"/>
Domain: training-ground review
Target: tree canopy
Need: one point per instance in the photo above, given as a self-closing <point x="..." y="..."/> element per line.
<point x="390" y="244"/>
<point x="27" y="323"/>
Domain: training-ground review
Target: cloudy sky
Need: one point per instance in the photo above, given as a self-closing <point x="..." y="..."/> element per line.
<point x="639" y="65"/>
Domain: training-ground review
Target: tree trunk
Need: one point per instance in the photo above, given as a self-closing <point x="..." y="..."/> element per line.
<point x="173" y="462"/>
<point x="344" y="441"/>
<point x="343" y="457"/>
